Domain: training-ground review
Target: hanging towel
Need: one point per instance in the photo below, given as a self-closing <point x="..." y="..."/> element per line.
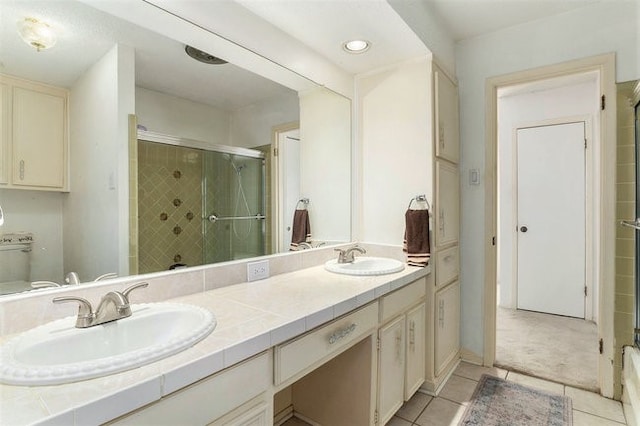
<point x="301" y="229"/>
<point x="416" y="237"/>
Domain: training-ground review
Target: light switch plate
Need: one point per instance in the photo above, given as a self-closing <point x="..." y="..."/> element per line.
<point x="474" y="177"/>
<point x="257" y="270"/>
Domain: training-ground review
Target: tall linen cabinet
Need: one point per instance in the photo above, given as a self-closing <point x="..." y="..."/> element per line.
<point x="443" y="296"/>
<point x="407" y="117"/>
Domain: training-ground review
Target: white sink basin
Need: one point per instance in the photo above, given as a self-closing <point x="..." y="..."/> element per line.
<point x="365" y="266"/>
<point x="57" y="352"/>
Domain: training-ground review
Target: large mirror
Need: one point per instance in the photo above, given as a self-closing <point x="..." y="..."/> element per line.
<point x="173" y="162"/>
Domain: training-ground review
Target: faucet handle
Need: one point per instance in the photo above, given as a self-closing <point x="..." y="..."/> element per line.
<point x="128" y="290"/>
<point x="85" y="311"/>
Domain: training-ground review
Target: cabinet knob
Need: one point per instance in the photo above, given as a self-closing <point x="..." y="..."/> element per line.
<point x="523" y="229"/>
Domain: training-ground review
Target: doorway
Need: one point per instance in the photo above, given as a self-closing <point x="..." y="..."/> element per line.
<point x="498" y="280"/>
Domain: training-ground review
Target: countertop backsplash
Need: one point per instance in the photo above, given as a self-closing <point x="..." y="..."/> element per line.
<point x="23" y="311"/>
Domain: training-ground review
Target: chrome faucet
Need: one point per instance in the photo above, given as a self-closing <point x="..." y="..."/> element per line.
<point x="112" y="307"/>
<point x="347" y="255"/>
<point x="72" y="278"/>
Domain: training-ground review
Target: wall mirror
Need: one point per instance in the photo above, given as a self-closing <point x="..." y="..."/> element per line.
<point x="193" y="179"/>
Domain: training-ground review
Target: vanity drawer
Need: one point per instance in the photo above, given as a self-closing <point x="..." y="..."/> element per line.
<point x="447" y="265"/>
<point x="400" y="300"/>
<point x="323" y="343"/>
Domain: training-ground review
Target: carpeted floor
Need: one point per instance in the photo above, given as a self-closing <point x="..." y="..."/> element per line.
<point x="552" y="347"/>
<point x="497" y="402"/>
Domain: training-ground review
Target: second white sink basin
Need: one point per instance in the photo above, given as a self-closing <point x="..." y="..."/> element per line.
<point x="58" y="352"/>
<point x="365" y="266"/>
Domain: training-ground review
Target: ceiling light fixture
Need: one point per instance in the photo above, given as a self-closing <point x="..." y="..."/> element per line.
<point x="356" y="46"/>
<point x="36" y="33"/>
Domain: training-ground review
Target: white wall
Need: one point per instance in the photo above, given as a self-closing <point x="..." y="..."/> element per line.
<point x="597" y="29"/>
<point x="394" y="111"/>
<point x="253" y="125"/>
<point x="325" y="163"/>
<point x="247" y="127"/>
<point x="175" y="116"/>
<point x="38" y="212"/>
<point x="96" y="211"/>
<point x="524" y="109"/>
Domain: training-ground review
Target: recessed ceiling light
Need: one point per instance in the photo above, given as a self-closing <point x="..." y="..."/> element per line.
<point x="356" y="46"/>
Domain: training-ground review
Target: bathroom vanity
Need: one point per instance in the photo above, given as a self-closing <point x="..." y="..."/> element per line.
<point x="331" y="348"/>
<point x="356" y="369"/>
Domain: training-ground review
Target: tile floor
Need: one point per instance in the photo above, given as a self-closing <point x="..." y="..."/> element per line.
<point x="589" y="409"/>
<point x="447" y="409"/>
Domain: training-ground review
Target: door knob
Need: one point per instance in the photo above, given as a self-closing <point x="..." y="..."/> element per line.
<point x="524" y="229"/>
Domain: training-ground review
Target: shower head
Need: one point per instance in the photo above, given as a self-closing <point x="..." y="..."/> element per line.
<point x="236" y="167"/>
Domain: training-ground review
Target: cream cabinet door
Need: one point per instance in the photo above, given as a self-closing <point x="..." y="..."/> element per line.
<point x="391" y="369"/>
<point x="38" y="139"/>
<point x="447" y="333"/>
<point x="415" y="371"/>
<point x="5" y="123"/>
<point x="447" y="218"/>
<point x="253" y="413"/>
<point x="447" y="119"/>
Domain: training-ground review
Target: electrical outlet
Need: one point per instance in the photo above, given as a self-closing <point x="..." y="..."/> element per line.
<point x="257" y="270"/>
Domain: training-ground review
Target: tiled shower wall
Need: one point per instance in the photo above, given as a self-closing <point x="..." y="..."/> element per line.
<point x="625" y="238"/>
<point x="169" y="206"/>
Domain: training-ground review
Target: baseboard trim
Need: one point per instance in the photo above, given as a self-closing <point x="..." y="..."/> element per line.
<point x="471" y="357"/>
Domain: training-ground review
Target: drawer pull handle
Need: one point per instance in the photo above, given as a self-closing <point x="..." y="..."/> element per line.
<point x="342" y="333"/>
<point x="21" y="169"/>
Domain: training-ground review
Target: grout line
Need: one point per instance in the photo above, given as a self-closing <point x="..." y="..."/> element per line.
<point x="600" y="417"/>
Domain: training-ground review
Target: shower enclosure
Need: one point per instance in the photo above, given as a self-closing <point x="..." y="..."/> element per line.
<point x="198" y="204"/>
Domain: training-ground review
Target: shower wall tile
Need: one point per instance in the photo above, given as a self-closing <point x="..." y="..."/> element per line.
<point x="625" y="237"/>
<point x="169" y="206"/>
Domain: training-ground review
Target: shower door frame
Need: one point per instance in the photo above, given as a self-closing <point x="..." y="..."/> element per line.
<point x="636" y="108"/>
<point x="150" y="136"/>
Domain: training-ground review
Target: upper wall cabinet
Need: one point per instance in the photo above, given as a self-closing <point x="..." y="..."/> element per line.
<point x="447" y="133"/>
<point x="34" y="135"/>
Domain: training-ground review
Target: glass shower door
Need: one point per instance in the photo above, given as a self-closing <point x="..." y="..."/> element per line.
<point x="234" y="207"/>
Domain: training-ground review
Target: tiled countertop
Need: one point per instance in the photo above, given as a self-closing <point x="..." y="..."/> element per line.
<point x="251" y="317"/>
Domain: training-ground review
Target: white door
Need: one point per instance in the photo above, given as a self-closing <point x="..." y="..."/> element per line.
<point x="289" y="172"/>
<point x="551" y="219"/>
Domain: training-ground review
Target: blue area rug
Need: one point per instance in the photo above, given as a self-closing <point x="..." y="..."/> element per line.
<point x="497" y="402"/>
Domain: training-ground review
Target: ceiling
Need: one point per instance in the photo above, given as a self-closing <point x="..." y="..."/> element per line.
<point x="471" y="18"/>
<point x="323" y="25"/>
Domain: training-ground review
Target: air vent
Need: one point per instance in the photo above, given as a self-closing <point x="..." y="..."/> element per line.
<point x="203" y="57"/>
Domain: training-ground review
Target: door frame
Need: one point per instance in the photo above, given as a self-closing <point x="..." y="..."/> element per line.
<point x="277" y="215"/>
<point x="589" y="204"/>
<point x="604" y="243"/>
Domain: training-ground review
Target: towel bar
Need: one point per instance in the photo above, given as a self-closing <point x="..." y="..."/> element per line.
<point x="304" y="201"/>
<point x="420" y="199"/>
<point x="635" y="224"/>
<point x="213" y="218"/>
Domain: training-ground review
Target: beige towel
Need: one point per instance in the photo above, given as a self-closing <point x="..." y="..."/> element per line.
<point x="416" y="237"/>
<point x="301" y="229"/>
